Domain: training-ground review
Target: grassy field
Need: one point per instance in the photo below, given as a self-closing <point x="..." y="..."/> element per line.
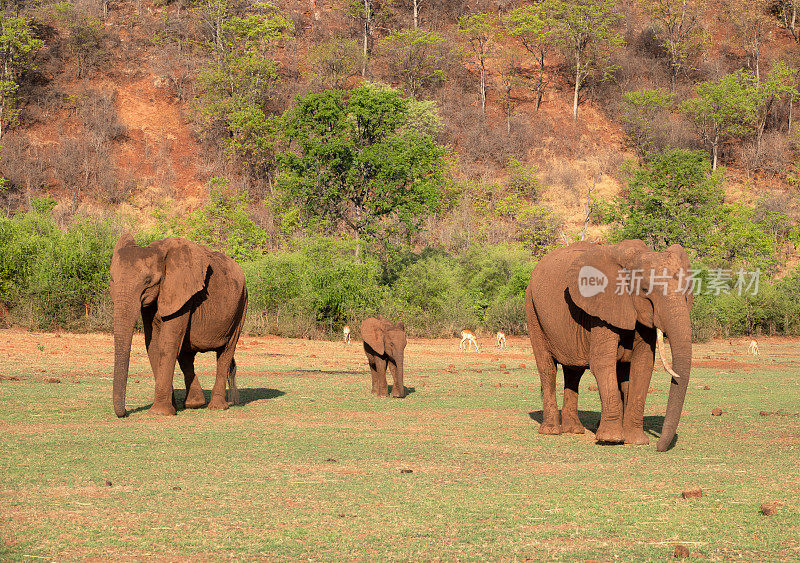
<point x="313" y="467"/>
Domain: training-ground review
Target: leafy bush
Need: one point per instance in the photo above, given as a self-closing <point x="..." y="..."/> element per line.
<point x="52" y="278"/>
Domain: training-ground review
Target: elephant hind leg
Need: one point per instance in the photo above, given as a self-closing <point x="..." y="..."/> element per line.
<point x="570" y="422"/>
<point x="225" y="365"/>
<point x="194" y="392"/>
<point x="547" y="375"/>
<point x="233" y="390"/>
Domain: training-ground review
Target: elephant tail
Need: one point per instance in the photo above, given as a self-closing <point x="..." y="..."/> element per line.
<point x="233" y="391"/>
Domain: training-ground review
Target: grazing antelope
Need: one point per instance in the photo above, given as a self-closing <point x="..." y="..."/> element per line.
<point x="501" y="340"/>
<point x="346" y="332"/>
<point x="753" y="348"/>
<point x="469" y="338"/>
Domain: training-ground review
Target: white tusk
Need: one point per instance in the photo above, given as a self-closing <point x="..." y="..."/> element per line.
<point x="660" y="346"/>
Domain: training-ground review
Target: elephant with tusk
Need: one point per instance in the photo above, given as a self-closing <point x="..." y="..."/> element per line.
<point x="607" y="308"/>
<point x="191" y="300"/>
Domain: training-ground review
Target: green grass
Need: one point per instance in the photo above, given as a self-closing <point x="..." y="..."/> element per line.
<point x="256" y="480"/>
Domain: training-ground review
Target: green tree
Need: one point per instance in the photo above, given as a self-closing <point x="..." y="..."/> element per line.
<point x="416" y="56"/>
<point x="533" y="26"/>
<point x="750" y="19"/>
<point x="585" y="31"/>
<point x="676" y="199"/>
<point x="723" y="108"/>
<point x="673" y="198"/>
<point x="238" y="83"/>
<point x="224" y="223"/>
<point x="680" y="26"/>
<point x="477" y="29"/>
<point x="353" y="158"/>
<point x="509" y="78"/>
<point x="778" y="84"/>
<point x="334" y="61"/>
<point x="18" y="45"/>
<point x="642" y="111"/>
<point x="85" y="39"/>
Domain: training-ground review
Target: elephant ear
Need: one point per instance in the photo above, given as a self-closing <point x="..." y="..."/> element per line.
<point x="683" y="257"/>
<point x="125" y="240"/>
<point x="593" y="287"/>
<point x="372" y="333"/>
<point x="185" y="266"/>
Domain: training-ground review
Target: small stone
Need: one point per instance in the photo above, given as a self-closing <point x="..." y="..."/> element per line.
<point x="716" y="412"/>
<point x="176" y="488"/>
<point x="764" y="413"/>
<point x="313" y="356"/>
<point x="331" y="460"/>
<point x="136" y="381"/>
<point x="681" y="552"/>
<point x="696" y="492"/>
<point x="53" y="380"/>
<point x="406" y="471"/>
<point x="706" y="388"/>
<point x="109" y="483"/>
<point x="502" y="366"/>
<point x="341" y="515"/>
<point x="498" y="384"/>
<point x="770" y="508"/>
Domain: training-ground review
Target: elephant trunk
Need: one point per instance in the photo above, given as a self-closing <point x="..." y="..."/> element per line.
<point x="680" y="342"/>
<point x="124" y="323"/>
<point x="399" y="380"/>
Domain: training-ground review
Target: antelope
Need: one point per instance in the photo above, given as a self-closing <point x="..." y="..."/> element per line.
<point x="346" y="332"/>
<point x="468" y="337"/>
<point x="753" y="348"/>
<point x="501" y="339"/>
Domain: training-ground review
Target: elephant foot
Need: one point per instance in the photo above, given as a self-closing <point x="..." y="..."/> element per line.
<point x="572" y="427"/>
<point x="194" y="402"/>
<point x="398" y="394"/>
<point x="551" y="429"/>
<point x="636" y="437"/>
<point x="218" y="403"/>
<point x="609" y="432"/>
<point x="162" y="409"/>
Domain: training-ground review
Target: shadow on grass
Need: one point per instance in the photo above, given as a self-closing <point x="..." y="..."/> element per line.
<point x="246" y="396"/>
<point x="591" y="420"/>
<point x="409" y="390"/>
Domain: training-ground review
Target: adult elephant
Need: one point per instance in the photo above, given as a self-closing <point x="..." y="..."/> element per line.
<point x="601" y="307"/>
<point x="191" y="300"/>
<point x="384" y="345"/>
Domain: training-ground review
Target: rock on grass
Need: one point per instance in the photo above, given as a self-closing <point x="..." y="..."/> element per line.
<point x="696" y="492"/>
<point x="681" y="552"/>
<point x="770" y="508"/>
<point x="716" y="412"/>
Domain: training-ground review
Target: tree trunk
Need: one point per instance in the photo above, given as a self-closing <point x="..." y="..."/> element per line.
<point x="483" y="84"/>
<point x="577" y="85"/>
<point x="416" y="14"/>
<point x="714" y="145"/>
<point x="367" y="34"/>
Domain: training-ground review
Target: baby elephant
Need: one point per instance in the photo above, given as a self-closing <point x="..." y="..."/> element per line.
<point x="384" y="343"/>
